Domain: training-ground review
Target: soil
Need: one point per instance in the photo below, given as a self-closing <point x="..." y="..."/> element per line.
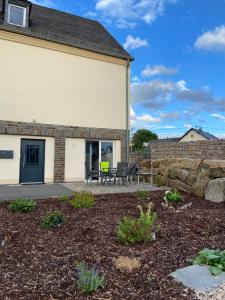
<point x="39" y="264"/>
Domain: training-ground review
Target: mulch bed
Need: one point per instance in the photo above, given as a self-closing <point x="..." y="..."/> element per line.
<point x="39" y="264"/>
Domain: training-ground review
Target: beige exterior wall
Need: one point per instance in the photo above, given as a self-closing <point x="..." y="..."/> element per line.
<point x="193" y="136"/>
<point x="55" y="87"/>
<point x="10" y="168"/>
<point x="75" y="158"/>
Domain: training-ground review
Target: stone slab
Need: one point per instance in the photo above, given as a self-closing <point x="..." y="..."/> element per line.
<point x="215" y="190"/>
<point x="198" y="278"/>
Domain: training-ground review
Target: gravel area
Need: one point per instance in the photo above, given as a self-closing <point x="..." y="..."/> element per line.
<point x="39" y="264"/>
<point x="218" y="294"/>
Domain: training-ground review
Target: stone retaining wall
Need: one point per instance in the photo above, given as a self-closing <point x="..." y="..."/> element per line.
<point x="190" y="175"/>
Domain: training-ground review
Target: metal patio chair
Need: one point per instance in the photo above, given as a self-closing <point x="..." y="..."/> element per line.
<point x="121" y="174"/>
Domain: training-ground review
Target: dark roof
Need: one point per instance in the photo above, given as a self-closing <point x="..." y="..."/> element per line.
<point x="68" y="29"/>
<point x="206" y="135"/>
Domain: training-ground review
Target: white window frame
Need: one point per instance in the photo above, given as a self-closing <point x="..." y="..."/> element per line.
<point x="24" y="15"/>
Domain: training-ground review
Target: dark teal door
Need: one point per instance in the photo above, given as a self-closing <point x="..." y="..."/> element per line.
<point x="32" y="161"/>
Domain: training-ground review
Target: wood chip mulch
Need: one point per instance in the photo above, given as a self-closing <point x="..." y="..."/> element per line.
<point x="39" y="264"/>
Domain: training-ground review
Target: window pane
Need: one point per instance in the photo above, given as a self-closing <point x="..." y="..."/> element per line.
<point x="107" y="152"/>
<point x="32" y="156"/>
<point x="16" y="15"/>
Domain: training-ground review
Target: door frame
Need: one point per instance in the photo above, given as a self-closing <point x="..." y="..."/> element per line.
<point x="43" y="169"/>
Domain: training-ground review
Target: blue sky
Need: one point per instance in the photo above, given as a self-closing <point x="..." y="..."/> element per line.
<point x="178" y="76"/>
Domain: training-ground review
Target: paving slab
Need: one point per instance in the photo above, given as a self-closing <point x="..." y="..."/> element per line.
<point x="110" y="188"/>
<point x="198" y="278"/>
<point x="34" y="191"/>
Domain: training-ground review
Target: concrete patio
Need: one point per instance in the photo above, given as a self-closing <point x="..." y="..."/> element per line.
<point x="42" y="191"/>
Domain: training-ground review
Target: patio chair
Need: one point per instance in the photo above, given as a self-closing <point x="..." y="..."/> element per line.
<point x="105" y="172"/>
<point x="133" y="168"/>
<point x="121" y="173"/>
<point x="91" y="174"/>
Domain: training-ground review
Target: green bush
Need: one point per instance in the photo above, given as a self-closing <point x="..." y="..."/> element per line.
<point x="64" y="198"/>
<point x="173" y="196"/>
<point x="138" y="230"/>
<point x="88" y="280"/>
<point x="22" y="205"/>
<point x="52" y="220"/>
<point x="83" y="200"/>
<point x="215" y="259"/>
<point x="143" y="195"/>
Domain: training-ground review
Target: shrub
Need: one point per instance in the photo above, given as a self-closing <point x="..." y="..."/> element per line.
<point x="64" y="198"/>
<point x="22" y="205"/>
<point x="173" y="196"/>
<point x="143" y="195"/>
<point x="83" y="200"/>
<point x="215" y="259"/>
<point x="138" y="230"/>
<point x="52" y="220"/>
<point x="88" y="280"/>
<point x="127" y="264"/>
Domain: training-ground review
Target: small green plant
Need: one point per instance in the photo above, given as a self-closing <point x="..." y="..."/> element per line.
<point x="138" y="230"/>
<point x="52" y="220"/>
<point x="22" y="205"/>
<point x="173" y="196"/>
<point x="215" y="259"/>
<point x="83" y="200"/>
<point x="64" y="198"/>
<point x="88" y="280"/>
<point x="143" y="195"/>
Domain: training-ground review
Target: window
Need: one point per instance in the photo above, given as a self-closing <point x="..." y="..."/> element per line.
<point x="17" y="15"/>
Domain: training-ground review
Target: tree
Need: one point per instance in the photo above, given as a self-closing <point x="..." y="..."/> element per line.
<point x="142" y="136"/>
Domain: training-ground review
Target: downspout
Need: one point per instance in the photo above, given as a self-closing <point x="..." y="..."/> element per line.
<point x="127" y="110"/>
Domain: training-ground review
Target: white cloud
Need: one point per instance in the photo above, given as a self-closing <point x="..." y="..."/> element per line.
<point x="158" y="70"/>
<point x="134" y="43"/>
<point x="182" y="85"/>
<point x="132" y="113"/>
<point x="218" y="116"/>
<point x="48" y="3"/>
<point x="212" y="40"/>
<point x="127" y="12"/>
<point x="188" y="126"/>
<point x="148" y="118"/>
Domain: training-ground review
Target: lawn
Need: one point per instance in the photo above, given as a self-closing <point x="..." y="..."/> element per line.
<point x="37" y="263"/>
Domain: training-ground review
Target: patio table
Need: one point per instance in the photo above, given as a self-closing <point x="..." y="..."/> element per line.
<point x="144" y="173"/>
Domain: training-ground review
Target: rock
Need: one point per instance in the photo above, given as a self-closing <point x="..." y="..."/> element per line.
<point x="217" y="172"/>
<point x="198" y="278"/>
<point x="214" y="163"/>
<point x="215" y="190"/>
<point x="156" y="163"/>
<point x="191" y="164"/>
<point x="201" y="183"/>
<point x="191" y="178"/>
<point x="179" y="185"/>
<point x="176" y="173"/>
<point x="145" y="164"/>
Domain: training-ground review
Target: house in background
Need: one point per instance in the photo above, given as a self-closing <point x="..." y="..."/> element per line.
<point x="193" y="135"/>
<point x="64" y="95"/>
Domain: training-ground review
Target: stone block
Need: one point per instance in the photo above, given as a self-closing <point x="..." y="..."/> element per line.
<point x="191" y="164"/>
<point x="215" y="190"/>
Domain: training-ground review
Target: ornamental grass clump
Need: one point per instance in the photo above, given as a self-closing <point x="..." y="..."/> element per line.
<point x="138" y="230"/>
<point x="83" y="200"/>
<point x="215" y="259"/>
<point x="22" y="205"/>
<point x="88" y="280"/>
<point x="143" y="195"/>
<point x="173" y="196"/>
<point x="52" y="220"/>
